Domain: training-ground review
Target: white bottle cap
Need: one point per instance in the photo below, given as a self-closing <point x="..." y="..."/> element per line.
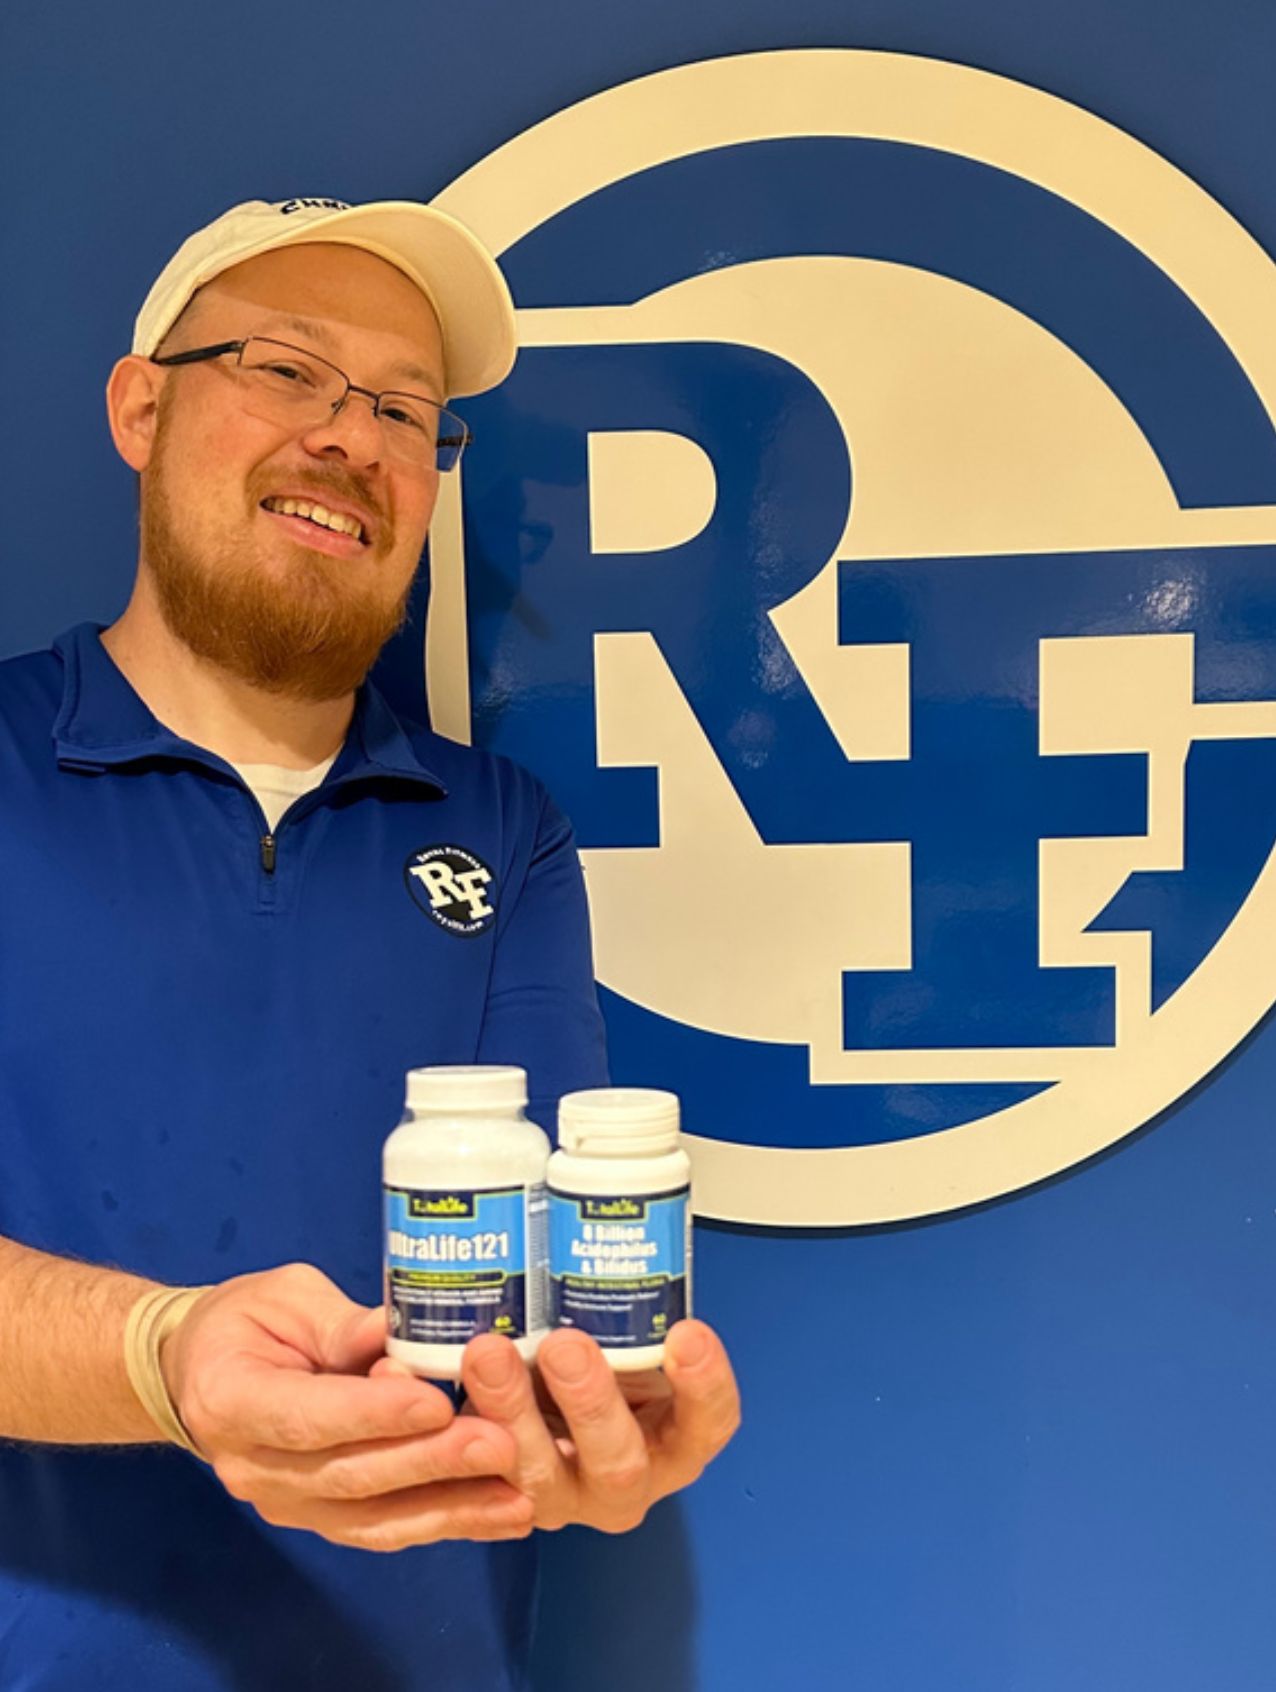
<point x="618" y="1119"/>
<point x="467" y="1086"/>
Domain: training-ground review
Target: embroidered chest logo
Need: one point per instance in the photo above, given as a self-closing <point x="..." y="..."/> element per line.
<point x="453" y="887"/>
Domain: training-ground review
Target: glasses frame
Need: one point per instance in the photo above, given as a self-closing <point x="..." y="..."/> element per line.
<point x="223" y="349"/>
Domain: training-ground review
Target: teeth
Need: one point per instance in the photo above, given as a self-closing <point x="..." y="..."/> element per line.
<point x="319" y="514"/>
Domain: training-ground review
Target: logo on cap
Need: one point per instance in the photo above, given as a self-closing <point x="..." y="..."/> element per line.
<point x="314" y="205"/>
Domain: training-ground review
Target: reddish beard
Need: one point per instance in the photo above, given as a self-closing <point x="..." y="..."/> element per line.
<point x="307" y="633"/>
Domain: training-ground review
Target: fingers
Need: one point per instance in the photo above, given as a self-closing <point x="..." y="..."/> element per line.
<point x="706" y="1406"/>
<point x="613" y="1467"/>
<point x="251" y="1402"/>
<point x="392" y="1366"/>
<point x="383" y="1494"/>
<point x="276" y="1377"/>
<point x="278" y="1358"/>
<point x="468" y="1448"/>
<point x="644" y="1387"/>
<point x="471" y="1509"/>
<point x="500" y="1390"/>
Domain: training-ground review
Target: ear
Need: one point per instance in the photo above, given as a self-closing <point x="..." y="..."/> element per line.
<point x="132" y="401"/>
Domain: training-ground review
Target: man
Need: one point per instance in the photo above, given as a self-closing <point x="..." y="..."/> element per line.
<point x="213" y="975"/>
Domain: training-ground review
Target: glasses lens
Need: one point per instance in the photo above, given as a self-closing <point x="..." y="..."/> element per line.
<point x="454" y="437"/>
<point x="286" y="384"/>
<point x="420" y="432"/>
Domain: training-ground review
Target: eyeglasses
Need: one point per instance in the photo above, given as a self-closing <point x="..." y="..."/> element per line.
<point x="299" y="390"/>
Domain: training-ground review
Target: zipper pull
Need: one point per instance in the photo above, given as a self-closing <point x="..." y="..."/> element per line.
<point x="268" y="853"/>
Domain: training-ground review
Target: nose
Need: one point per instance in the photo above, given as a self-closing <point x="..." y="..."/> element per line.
<point x="352" y="433"/>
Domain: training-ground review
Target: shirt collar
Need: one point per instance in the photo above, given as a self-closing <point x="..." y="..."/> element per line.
<point x="104" y="724"/>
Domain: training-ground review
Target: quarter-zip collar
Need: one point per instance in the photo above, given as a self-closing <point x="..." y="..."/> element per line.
<point x="104" y="724"/>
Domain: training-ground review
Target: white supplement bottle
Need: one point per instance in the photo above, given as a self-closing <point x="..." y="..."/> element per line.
<point x="465" y="1245"/>
<point x="620" y="1222"/>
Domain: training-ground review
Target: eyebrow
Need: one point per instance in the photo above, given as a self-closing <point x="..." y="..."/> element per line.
<point x="318" y="331"/>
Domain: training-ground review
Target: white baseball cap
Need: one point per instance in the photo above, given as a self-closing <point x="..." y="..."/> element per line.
<point x="450" y="266"/>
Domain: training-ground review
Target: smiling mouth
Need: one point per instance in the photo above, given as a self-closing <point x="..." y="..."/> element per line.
<point x="337" y="522"/>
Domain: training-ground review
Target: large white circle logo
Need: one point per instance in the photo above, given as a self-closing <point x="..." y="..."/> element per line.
<point x="932" y="817"/>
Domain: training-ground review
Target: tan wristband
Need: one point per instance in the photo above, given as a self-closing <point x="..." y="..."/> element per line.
<point x="151" y="1320"/>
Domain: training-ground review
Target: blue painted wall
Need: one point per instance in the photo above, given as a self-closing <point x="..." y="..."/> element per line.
<point x="1021" y="1445"/>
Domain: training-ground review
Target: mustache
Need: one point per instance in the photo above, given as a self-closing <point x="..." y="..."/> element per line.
<point x="326" y="479"/>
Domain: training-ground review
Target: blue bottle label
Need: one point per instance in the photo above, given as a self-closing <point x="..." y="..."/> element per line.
<point x="618" y="1265"/>
<point x="461" y="1262"/>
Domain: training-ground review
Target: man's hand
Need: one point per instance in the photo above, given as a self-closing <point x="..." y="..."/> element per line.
<point x="626" y="1441"/>
<point x="269" y="1374"/>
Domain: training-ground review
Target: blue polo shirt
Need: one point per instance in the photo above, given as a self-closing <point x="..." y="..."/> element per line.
<point x="203" y="1037"/>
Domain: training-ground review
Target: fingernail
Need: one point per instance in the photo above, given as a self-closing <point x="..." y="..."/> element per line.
<point x="570" y="1360"/>
<point x="688" y="1346"/>
<point x="480" y="1458"/>
<point x="427" y="1415"/>
<point x="494" y="1365"/>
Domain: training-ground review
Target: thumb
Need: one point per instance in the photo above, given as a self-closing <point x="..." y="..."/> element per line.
<point x="354" y="1339"/>
<point x="391" y="1366"/>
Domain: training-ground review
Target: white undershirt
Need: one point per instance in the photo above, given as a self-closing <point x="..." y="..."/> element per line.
<point x="276" y="787"/>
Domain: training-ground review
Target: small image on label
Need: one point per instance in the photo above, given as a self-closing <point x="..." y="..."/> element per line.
<point x="464" y="1262"/>
<point x="619" y="1266"/>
